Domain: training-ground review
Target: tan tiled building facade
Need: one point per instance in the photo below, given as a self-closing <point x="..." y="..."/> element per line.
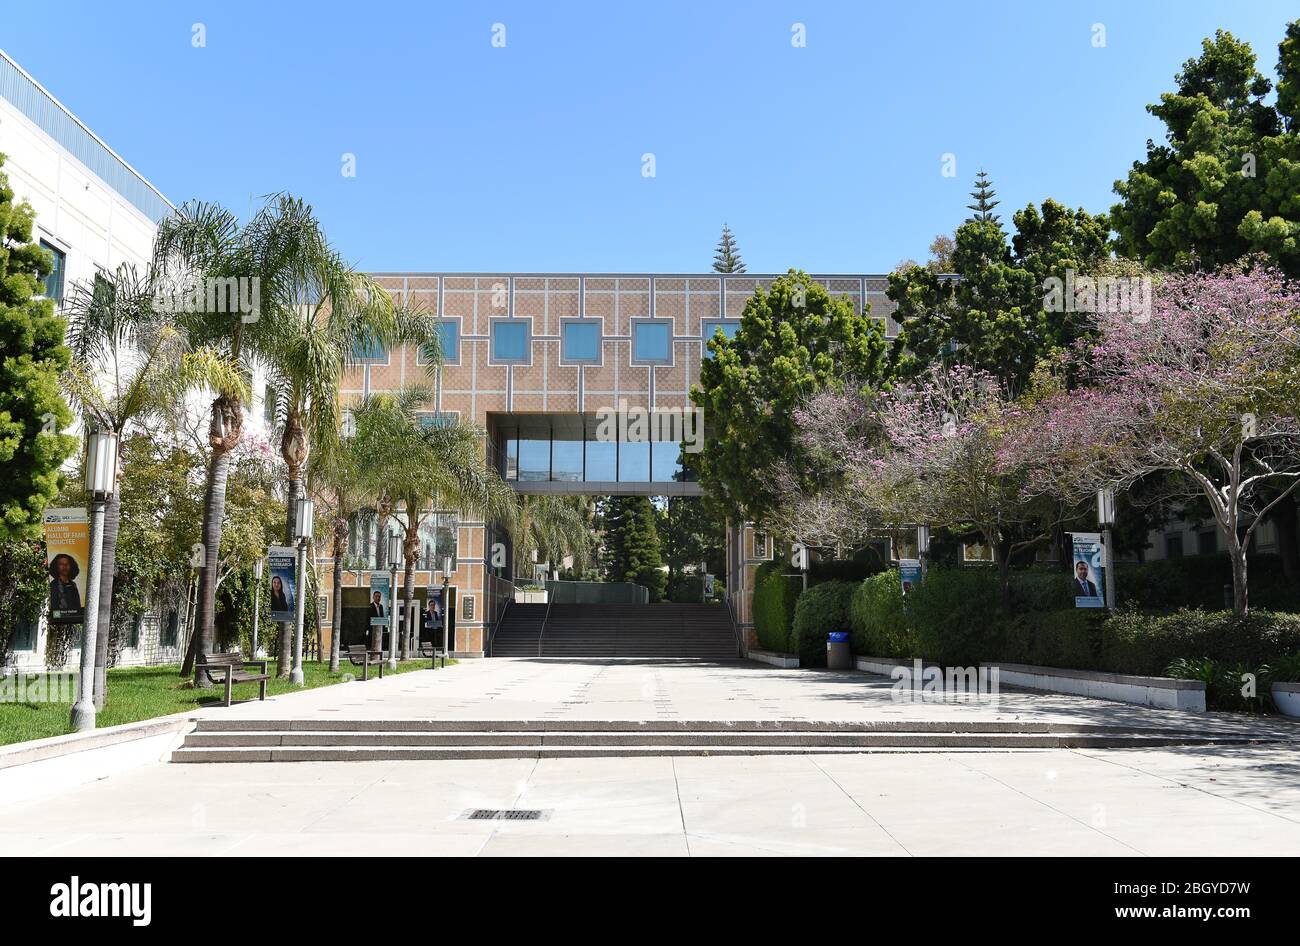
<point x="532" y="358"/>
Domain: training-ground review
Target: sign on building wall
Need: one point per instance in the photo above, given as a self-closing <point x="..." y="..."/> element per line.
<point x="67" y="551"/>
<point x="1089" y="578"/>
<point x="282" y="561"/>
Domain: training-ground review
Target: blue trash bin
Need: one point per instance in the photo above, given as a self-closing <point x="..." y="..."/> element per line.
<point x="839" y="655"/>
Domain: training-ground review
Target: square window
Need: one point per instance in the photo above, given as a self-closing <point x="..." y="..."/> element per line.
<point x="510" y="339"/>
<point x="652" y="341"/>
<point x="54" y="281"/>
<point x="449" y="339"/>
<point x="729" y="329"/>
<point x="369" y="351"/>
<point x="581" y="341"/>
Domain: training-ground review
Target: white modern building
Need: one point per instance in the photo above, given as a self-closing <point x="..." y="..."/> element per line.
<point x="94" y="212"/>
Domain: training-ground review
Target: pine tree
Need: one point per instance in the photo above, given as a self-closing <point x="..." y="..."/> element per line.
<point x="632" y="544"/>
<point x="983" y="195"/>
<point x="32" y="355"/>
<point x="727" y="258"/>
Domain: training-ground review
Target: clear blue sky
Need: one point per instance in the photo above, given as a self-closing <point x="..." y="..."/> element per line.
<point x="528" y="157"/>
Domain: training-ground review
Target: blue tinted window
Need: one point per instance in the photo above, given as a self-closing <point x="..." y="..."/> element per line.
<point x="601" y="461"/>
<point x="510" y="341"/>
<point x="634" y="462"/>
<point x="449" y="334"/>
<point x="729" y="329"/>
<point x="652" y="341"/>
<point x="54" y="281"/>
<point x="368" y="350"/>
<point x="581" y="341"/>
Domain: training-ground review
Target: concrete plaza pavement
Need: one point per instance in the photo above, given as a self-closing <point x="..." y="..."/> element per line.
<point x="1242" y="799"/>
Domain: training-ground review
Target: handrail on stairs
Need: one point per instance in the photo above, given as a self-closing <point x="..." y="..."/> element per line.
<point x="550" y="600"/>
<point x="735" y="627"/>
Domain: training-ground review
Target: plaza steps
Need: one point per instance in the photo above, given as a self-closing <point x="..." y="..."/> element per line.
<point x="617" y="630"/>
<point x="334" y="740"/>
<point x="519" y="631"/>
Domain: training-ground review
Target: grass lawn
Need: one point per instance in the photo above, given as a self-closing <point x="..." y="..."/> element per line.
<point x="136" y="693"/>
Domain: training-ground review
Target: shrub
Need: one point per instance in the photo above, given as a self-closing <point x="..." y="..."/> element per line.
<point x="957" y="614"/>
<point x="1133" y="642"/>
<point x="1067" y="637"/>
<point x="1041" y="590"/>
<point x="775" y="595"/>
<point x="1223" y="684"/>
<point x="881" y="627"/>
<point x="821" y="609"/>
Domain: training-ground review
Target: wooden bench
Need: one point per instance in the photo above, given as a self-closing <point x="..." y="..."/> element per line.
<point x="229" y="669"/>
<point x="362" y="656"/>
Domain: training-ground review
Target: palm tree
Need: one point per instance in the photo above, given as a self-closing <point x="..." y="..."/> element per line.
<point x="551" y="528"/>
<point x="202" y="245"/>
<point x="128" y="365"/>
<point x="312" y="344"/>
<point x="425" y="468"/>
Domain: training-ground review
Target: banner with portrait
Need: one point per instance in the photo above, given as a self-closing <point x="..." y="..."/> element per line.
<point x="380" y="591"/>
<point x="67" y="560"/>
<point x="282" y="563"/>
<point x="1088" y="571"/>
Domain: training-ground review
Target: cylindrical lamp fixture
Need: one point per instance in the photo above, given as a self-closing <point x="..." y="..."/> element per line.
<point x="1105" y="507"/>
<point x="446" y="565"/>
<point x="923" y="540"/>
<point x="305" y="518"/>
<point x="258" y="567"/>
<point x="101" y="463"/>
<point x="394" y="550"/>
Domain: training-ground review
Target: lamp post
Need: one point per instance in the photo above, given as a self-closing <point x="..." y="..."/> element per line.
<point x="1106" y="519"/>
<point x="101" y="480"/>
<point x="258" y="568"/>
<point x="394" y="553"/>
<point x="446" y="605"/>
<point x="304" y="517"/>
<point x="923" y="546"/>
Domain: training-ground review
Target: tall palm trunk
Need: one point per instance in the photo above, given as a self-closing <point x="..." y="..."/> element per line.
<point x="108" y="562"/>
<point x="340" y="546"/>
<point x="223" y="436"/>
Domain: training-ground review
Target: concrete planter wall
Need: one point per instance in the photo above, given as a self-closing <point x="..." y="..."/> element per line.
<point x="530" y="597"/>
<point x="884" y="666"/>
<point x="1287" y="698"/>
<point x="784" y="661"/>
<point x="1164" y="692"/>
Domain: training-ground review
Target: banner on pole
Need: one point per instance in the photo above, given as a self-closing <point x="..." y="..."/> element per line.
<point x="909" y="571"/>
<point x="282" y="561"/>
<point x="67" y="559"/>
<point x="1089" y="577"/>
<point x="380" y="587"/>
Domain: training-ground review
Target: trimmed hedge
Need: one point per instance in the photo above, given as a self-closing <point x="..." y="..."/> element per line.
<point x="821" y="609"/>
<point x="954" y="617"/>
<point x="842" y="569"/>
<point x="880" y="626"/>
<point x="775" y="595"/>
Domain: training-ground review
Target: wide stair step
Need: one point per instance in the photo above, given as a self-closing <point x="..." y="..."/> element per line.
<point x="616" y="630"/>
<point x="238" y="740"/>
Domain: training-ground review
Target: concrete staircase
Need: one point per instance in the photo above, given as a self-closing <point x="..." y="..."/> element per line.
<point x="332" y="740"/>
<point x="616" y="630"/>
<point x="519" y="631"/>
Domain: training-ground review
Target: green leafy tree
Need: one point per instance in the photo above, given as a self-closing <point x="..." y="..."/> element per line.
<point x="992" y="318"/>
<point x="632" y="544"/>
<point x="32" y="354"/>
<point x="552" y="528"/>
<point x="1226" y="181"/>
<point x="727" y="257"/>
<point x="690" y="536"/>
<point x="794" y="340"/>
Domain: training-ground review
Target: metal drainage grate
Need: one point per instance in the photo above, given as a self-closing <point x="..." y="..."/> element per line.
<point x="506" y="814"/>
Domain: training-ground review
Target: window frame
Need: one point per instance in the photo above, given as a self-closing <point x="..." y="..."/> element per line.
<point x="599" y="359"/>
<point x="708" y="328"/>
<point x="446" y="362"/>
<point x="527" y="323"/>
<point x="666" y="361"/>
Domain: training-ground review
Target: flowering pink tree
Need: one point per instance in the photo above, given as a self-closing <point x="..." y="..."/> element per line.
<point x="1206" y="388"/>
<point x="932" y="451"/>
